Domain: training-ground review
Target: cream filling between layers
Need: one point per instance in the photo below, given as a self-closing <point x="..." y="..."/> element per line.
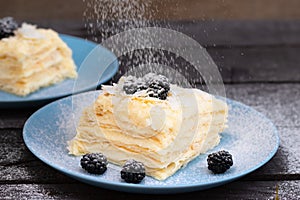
<point x="31" y="66"/>
<point x="47" y="77"/>
<point x="32" y="59"/>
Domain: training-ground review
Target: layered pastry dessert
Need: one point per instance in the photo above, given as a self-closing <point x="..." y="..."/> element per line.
<point x="32" y="58"/>
<point x="151" y="121"/>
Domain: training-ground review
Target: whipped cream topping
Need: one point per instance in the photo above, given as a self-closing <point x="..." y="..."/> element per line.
<point x="29" y="31"/>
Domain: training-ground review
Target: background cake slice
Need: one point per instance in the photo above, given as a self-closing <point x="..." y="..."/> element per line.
<point x="33" y="58"/>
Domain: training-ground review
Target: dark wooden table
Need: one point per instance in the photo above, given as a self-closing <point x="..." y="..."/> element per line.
<point x="260" y="65"/>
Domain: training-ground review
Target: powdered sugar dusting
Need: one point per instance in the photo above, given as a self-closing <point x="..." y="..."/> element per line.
<point x="106" y="18"/>
<point x="109" y="17"/>
<point x="289" y="146"/>
<point x="289" y="190"/>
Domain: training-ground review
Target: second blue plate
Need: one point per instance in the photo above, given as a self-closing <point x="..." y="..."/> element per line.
<point x="82" y="55"/>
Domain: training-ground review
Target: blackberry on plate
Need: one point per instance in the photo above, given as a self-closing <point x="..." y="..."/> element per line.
<point x="219" y="162"/>
<point x="94" y="163"/>
<point x="7" y="27"/>
<point x="133" y="171"/>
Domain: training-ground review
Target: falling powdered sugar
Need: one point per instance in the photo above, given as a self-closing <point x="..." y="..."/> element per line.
<point x="106" y="18"/>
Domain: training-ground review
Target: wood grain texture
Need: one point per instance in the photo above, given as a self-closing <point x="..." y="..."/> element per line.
<point x="237" y="64"/>
<point x="18" y="165"/>
<point x="166" y="9"/>
<point x="258" y="64"/>
<point x="276" y="101"/>
<point x="235" y="190"/>
<point x="42" y="9"/>
<point x="245" y="51"/>
<point x="228" y="33"/>
<point x="226" y="9"/>
<point x="239" y="32"/>
<point x="279" y="102"/>
<point x="14" y="118"/>
<point x="259" y="60"/>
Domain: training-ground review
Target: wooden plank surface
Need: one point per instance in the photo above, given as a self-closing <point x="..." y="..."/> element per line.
<point x="235" y="190"/>
<point x="228" y="33"/>
<point x="279" y="102"/>
<point x="14" y="118"/>
<point x="157" y="9"/>
<point x="27" y="168"/>
<point x="276" y="101"/>
<point x="285" y="98"/>
<point x="259" y="61"/>
<point x="42" y="9"/>
<point x="232" y="33"/>
<point x="238" y="64"/>
<point x="226" y="9"/>
<point x="245" y="51"/>
<point x="258" y="64"/>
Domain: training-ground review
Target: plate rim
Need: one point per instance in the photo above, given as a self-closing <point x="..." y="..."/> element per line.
<point x="104" y="182"/>
<point x="52" y="97"/>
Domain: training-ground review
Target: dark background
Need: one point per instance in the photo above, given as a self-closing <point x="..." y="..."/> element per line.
<point x="251" y="41"/>
<point x="166" y="9"/>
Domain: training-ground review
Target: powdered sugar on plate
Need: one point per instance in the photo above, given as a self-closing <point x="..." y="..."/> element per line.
<point x="251" y="138"/>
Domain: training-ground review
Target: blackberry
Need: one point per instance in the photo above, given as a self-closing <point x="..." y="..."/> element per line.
<point x="161" y="80"/>
<point x="7" y="27"/>
<point x="94" y="163"/>
<point x="158" y="91"/>
<point x="141" y="85"/>
<point x="219" y="162"/>
<point x="130" y="85"/>
<point x="133" y="171"/>
<point x="159" y="86"/>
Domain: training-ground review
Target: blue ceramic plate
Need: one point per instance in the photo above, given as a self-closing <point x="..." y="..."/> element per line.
<point x="81" y="50"/>
<point x="251" y="138"/>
